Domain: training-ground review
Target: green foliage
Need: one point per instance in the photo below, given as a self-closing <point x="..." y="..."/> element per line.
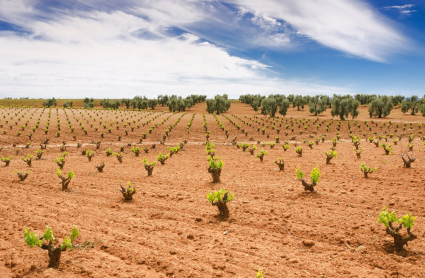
<point x="74" y="233"/>
<point x="299" y="150"/>
<point x="284" y="105"/>
<point x="261" y="153"/>
<point x="411" y="103"/>
<point x="385" y="217"/>
<point x="215" y="162"/>
<point x="108" y="104"/>
<point x="387" y="149"/>
<point x="61" y="159"/>
<point x="5" y="159"/>
<point x="38" y="152"/>
<point x="217" y="196"/>
<point x="135" y="150"/>
<point x="67" y="243"/>
<point x="31" y="238"/>
<point x="244" y="146"/>
<point x="367" y="169"/>
<point x="162" y="157"/>
<point x="260" y="274"/>
<point x="145" y="161"/>
<point x="218" y="104"/>
<point x="209" y="146"/>
<point x="299" y="101"/>
<point x="48" y="235"/>
<point x="50" y="102"/>
<point x="271" y="105"/>
<point x="300" y="174"/>
<point x="380" y="107"/>
<point x="332" y="153"/>
<point x="344" y="106"/>
<point x="70" y="174"/>
<point x="28" y="157"/>
<point x="318" y="104"/>
<point x="315" y="175"/>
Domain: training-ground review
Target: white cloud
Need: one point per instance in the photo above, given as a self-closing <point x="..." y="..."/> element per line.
<point x="16" y="11"/>
<point x="404" y="10"/>
<point x="172" y="66"/>
<point x="350" y="26"/>
<point x="400" y="7"/>
<point x="104" y="49"/>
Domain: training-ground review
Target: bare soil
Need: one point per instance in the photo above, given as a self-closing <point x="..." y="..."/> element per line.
<point x="170" y="229"/>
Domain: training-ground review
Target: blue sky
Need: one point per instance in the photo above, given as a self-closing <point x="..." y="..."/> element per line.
<point x="107" y="48"/>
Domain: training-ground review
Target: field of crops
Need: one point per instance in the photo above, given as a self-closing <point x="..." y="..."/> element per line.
<point x="171" y="229"/>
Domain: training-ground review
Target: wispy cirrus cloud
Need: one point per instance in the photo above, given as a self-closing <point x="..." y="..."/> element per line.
<point x="404" y="10"/>
<point x="349" y="26"/>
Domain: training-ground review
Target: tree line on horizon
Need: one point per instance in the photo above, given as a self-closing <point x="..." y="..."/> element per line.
<point x="343" y="106"/>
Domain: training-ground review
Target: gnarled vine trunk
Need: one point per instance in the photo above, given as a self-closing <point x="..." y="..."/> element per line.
<point x="149" y="168"/>
<point x="54" y="254"/>
<point x="408" y="161"/>
<point x="308" y="187"/>
<point x="222" y="208"/>
<point x="399" y="240"/>
<point x="65" y="182"/>
<point x="215" y="173"/>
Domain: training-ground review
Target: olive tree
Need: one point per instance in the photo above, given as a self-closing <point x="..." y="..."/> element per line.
<point x="298" y="102"/>
<point x="50" y="102"/>
<point x="172" y="104"/>
<point x="273" y="104"/>
<point x="343" y="107"/>
<point x="218" y="104"/>
<point x="318" y="104"/>
<point x="411" y="103"/>
<point x="162" y="99"/>
<point x="126" y="102"/>
<point x="269" y="106"/>
<point x="380" y="107"/>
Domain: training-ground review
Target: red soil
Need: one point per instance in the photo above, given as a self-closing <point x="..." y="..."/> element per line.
<point x="170" y="229"/>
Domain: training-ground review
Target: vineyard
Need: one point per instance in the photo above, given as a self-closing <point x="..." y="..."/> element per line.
<point x="153" y="193"/>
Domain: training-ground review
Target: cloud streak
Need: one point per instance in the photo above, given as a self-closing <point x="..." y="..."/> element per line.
<point x="349" y="26"/>
<point x="404" y="10"/>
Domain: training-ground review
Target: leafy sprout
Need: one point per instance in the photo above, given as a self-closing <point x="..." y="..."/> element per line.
<point x="300" y="174"/>
<point x="332" y="153"/>
<point x="48" y="234"/>
<point x="217" y="196"/>
<point x="145" y="161"/>
<point x="365" y="168"/>
<point x="31" y="238"/>
<point x="215" y="162"/>
<point x="385" y="217"/>
<point x="315" y="175"/>
<point x="74" y="233"/>
<point x="260" y="273"/>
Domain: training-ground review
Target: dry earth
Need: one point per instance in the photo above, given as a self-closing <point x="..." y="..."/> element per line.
<point x="170" y="229"/>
